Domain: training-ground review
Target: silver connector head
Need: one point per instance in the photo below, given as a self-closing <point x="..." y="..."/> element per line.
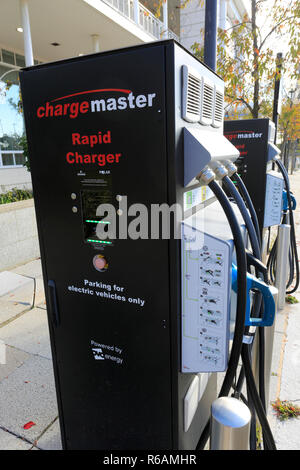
<point x="230" y="167"/>
<point x="206" y="176"/>
<point x="218" y="169"/>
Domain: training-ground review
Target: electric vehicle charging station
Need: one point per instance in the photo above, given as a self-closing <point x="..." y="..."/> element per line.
<point x="139" y="328"/>
<point x="273" y="203"/>
<point x="254" y="138"/>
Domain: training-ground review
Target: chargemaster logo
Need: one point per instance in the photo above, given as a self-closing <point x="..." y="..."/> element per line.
<point x="243" y="135"/>
<point x="115" y="99"/>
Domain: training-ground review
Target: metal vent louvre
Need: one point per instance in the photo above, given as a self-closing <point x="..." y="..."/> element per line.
<point x="191" y="94"/>
<point x="206" y="114"/>
<point x="218" y="107"/>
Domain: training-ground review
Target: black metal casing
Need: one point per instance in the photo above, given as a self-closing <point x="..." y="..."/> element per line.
<point x="251" y="137"/>
<point x="131" y="397"/>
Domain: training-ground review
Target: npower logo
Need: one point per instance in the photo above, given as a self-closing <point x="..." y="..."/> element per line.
<point x="57" y="107"/>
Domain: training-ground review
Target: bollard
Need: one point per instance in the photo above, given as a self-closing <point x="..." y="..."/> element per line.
<point x="282" y="257"/>
<point x="230" y="424"/>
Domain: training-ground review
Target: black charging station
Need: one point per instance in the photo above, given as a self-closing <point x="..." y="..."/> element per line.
<point x="99" y="128"/>
<point x="254" y="138"/>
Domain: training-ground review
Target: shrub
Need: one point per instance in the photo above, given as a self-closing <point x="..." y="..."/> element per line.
<point x="15" y="195"/>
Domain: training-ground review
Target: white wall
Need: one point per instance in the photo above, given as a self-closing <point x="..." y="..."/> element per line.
<point x="192" y="18"/>
<point x="18" y="234"/>
<point x="14" y="178"/>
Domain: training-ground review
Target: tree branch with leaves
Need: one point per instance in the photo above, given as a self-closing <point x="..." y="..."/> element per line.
<point x="246" y="59"/>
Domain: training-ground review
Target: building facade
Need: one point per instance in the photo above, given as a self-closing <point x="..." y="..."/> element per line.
<point x="192" y="18"/>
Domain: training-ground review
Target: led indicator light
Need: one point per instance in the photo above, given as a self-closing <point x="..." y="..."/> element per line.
<point x="99" y="241"/>
<point x="98" y="221"/>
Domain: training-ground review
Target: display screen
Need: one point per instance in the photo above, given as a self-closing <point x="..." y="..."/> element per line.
<point x="91" y="199"/>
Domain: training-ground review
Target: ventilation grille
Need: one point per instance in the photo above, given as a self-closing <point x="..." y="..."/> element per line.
<point x="218" y="108"/>
<point x="202" y="98"/>
<point x="207" y="102"/>
<point x="193" y="95"/>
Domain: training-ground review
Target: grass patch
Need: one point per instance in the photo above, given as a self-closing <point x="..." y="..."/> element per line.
<point x="285" y="409"/>
<point x="291" y="299"/>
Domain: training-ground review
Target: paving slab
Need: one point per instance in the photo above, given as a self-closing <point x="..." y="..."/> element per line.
<point x="33" y="268"/>
<point x="28" y="395"/>
<point x="51" y="439"/>
<point x="18" y="292"/>
<point x="10" y="442"/>
<point x="29" y="333"/>
<point x="10" y="309"/>
<point x="14" y="359"/>
<point x="25" y="294"/>
<point x="9" y="282"/>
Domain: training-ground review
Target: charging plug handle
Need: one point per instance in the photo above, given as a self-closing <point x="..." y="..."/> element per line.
<point x="268" y="298"/>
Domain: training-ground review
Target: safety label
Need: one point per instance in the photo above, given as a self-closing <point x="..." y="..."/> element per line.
<point x="205" y="301"/>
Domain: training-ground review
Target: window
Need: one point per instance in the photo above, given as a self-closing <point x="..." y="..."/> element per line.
<point x="19" y="159"/>
<point x="8" y="57"/>
<point x="9" y="159"/>
<point x="11" y="120"/>
<point x="20" y="60"/>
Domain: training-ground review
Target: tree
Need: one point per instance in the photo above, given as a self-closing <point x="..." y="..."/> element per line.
<point x="246" y="60"/>
<point x="289" y="122"/>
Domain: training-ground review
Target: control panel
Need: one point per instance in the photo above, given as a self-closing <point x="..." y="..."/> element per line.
<point x="205" y="300"/>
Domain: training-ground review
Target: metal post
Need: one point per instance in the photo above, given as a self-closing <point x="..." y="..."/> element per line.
<point x="230" y="424"/>
<point x="26" y="33"/>
<point x="210" y="34"/>
<point x="279" y="61"/>
<point x="136" y="11"/>
<point x="223" y="14"/>
<point x="286" y="155"/>
<point x="282" y="256"/>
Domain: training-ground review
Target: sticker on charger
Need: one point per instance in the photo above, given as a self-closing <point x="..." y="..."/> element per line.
<point x="205" y="301"/>
<point x="196" y="196"/>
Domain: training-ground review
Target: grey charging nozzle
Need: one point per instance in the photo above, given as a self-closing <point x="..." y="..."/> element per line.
<point x="219" y="169"/>
<point x="273" y="152"/>
<point x="206" y="176"/>
<point x="230" y="167"/>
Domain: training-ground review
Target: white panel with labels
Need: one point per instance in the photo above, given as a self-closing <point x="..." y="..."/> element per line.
<point x="206" y="282"/>
<point x="273" y="199"/>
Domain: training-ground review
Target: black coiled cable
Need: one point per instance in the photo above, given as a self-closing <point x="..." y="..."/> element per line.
<point x="294" y="253"/>
<point x="241" y="301"/>
<point x="261" y="397"/>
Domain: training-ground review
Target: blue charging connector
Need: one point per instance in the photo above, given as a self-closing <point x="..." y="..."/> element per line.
<point x="285" y="202"/>
<point x="269" y="302"/>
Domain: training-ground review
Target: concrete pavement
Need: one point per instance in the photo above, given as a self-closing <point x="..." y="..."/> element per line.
<point x="285" y="377"/>
<point x="27" y="392"/>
